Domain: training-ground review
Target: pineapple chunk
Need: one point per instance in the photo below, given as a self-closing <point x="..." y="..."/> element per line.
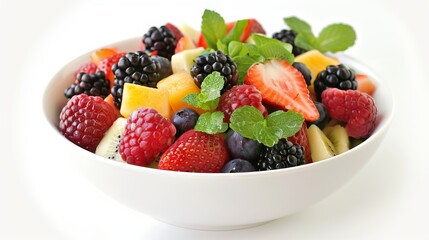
<point x="136" y="96"/>
<point x="184" y="60"/>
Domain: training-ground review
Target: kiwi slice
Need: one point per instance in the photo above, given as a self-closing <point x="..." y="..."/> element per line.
<point x="109" y="145"/>
<point x="339" y="137"/>
<point x="320" y="145"/>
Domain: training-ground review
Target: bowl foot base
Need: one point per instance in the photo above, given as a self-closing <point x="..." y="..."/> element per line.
<point x="214" y="227"/>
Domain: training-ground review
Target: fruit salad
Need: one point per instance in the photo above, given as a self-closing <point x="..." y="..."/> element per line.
<point x="228" y="98"/>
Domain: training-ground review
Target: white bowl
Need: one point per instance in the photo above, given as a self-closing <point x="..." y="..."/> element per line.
<point x="214" y="201"/>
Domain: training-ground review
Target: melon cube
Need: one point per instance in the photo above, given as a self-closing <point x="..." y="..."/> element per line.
<point x="184" y="60"/>
<point x="178" y="85"/>
<point x="135" y="96"/>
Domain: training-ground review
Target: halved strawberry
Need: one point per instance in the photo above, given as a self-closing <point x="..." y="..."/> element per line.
<point x="283" y="86"/>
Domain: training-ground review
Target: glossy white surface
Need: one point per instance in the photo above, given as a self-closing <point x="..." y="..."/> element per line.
<point x="44" y="199"/>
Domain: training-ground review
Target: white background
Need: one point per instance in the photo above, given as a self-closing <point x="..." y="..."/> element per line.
<point x="41" y="198"/>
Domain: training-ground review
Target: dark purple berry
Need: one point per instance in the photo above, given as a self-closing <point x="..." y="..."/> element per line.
<point x="323" y="116"/>
<point x="306" y="73"/>
<point x="184" y="120"/>
<point x="238" y="165"/>
<point x="241" y="147"/>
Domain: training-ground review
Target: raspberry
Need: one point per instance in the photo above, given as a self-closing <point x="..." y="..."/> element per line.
<point x="146" y="135"/>
<point x="356" y="108"/>
<point x="85" y="119"/>
<point x="239" y="96"/>
<point x="86" y="68"/>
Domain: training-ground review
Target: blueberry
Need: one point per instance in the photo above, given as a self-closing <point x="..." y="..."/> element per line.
<point x="304" y="71"/>
<point x="241" y="147"/>
<point x="323" y="115"/>
<point x="238" y="165"/>
<point x="184" y="120"/>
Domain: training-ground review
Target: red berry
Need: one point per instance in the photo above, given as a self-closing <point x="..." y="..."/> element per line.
<point x="283" y="86"/>
<point x="301" y="139"/>
<point x="147" y="134"/>
<point x="356" y="108"/>
<point x="85" y="119"/>
<point x="106" y="64"/>
<point x="89" y="68"/>
<point x="239" y="96"/>
<point x="195" y="152"/>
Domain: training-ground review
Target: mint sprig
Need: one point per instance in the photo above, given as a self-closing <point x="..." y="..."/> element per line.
<point x="211" y="123"/>
<point x="333" y="38"/>
<point x="208" y="98"/>
<point x="213" y="27"/>
<point x="250" y="123"/>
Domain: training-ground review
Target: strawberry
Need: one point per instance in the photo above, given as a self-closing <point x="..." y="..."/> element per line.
<point x="300" y="138"/>
<point x="106" y="64"/>
<point x="283" y="86"/>
<point x="195" y="152"/>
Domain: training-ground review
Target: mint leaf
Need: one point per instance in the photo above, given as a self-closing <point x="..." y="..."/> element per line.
<point x="236" y="48"/>
<point x="335" y="38"/>
<point x="288" y="122"/>
<point x="249" y="122"/>
<point x="213" y="27"/>
<point x="272" y="48"/>
<point x="211" y="123"/>
<point x="236" y="31"/>
<point x="222" y="46"/>
<point x="209" y="96"/>
<point x="301" y="27"/>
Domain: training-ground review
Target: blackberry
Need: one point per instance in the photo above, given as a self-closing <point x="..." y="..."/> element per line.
<point x="215" y="61"/>
<point x="161" y="40"/>
<point x="283" y="154"/>
<point x="94" y="84"/>
<point x="138" y="68"/>
<point x="334" y="77"/>
<point x="288" y="36"/>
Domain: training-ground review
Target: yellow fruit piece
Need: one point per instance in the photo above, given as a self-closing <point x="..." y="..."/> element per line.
<point x="136" y="96"/>
<point x="184" y="60"/>
<point x="178" y="85"/>
<point x="316" y="62"/>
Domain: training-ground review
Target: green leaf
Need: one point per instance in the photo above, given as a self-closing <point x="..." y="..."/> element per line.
<point x="208" y="98"/>
<point x="235" y="48"/>
<point x="301" y="27"/>
<point x="236" y="31"/>
<point x="222" y="46"/>
<point x="213" y="28"/>
<point x="289" y="122"/>
<point x="272" y="48"/>
<point x="249" y="122"/>
<point x="191" y="99"/>
<point x="246" y="121"/>
<point x="211" y="123"/>
<point x="304" y="43"/>
<point x="268" y="136"/>
<point x="335" y="38"/>
<point x="276" y="51"/>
